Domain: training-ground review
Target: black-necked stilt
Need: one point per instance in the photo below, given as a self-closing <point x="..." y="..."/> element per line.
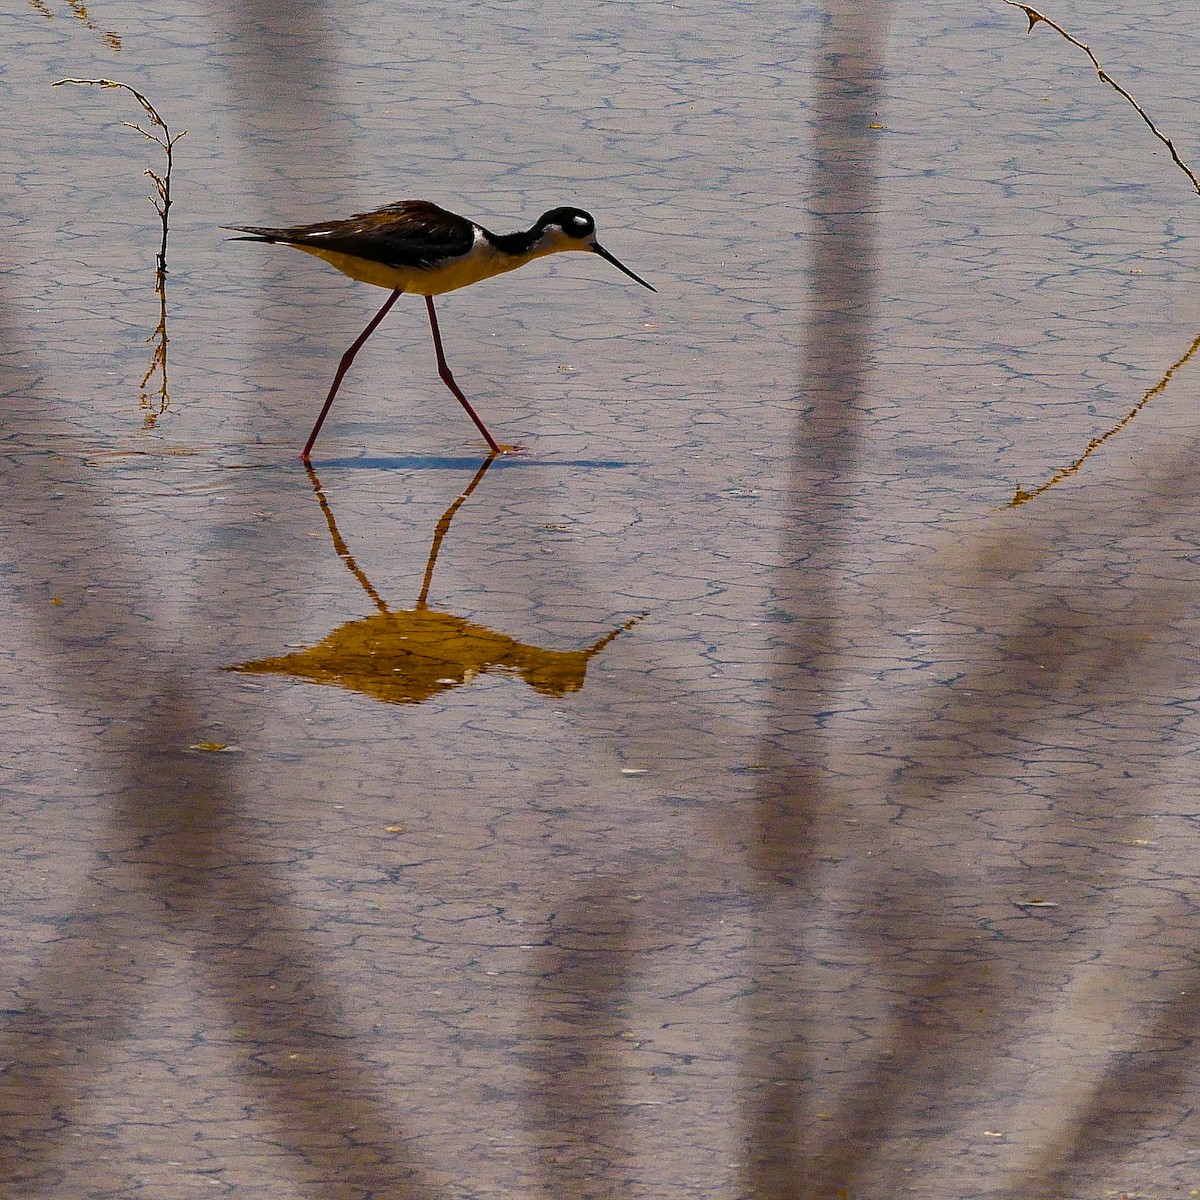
<point x="415" y="246"/>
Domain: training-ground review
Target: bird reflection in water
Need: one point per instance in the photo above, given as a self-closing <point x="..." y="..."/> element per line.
<point x="411" y="656"/>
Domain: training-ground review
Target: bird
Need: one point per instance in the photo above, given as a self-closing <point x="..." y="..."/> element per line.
<point x="415" y="246"/>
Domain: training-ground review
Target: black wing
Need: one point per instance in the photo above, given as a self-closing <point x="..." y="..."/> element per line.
<point x="409" y="233"/>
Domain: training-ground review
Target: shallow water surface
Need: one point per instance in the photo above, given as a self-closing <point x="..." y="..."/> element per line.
<point x="730" y="794"/>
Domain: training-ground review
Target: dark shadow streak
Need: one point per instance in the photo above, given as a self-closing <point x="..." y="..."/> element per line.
<point x="586" y="969"/>
<point x="175" y="866"/>
<point x="796" y="787"/>
<point x="1081" y="647"/>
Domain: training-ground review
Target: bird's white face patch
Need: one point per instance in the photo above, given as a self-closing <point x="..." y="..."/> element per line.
<point x="574" y="234"/>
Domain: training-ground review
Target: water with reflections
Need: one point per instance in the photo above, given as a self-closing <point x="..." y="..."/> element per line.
<point x="732" y="795"/>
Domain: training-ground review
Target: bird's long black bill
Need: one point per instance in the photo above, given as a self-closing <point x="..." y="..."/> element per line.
<point x="600" y="250"/>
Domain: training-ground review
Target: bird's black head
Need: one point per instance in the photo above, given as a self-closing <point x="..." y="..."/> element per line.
<point x="574" y="222"/>
<point x="572" y="229"/>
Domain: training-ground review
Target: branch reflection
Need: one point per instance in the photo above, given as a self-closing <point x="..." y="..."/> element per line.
<point x="109" y="37"/>
<point x="154" y="399"/>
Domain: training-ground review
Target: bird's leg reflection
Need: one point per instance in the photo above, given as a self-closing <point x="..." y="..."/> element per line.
<point x="406" y="657"/>
<point x="339" y="543"/>
<point x="443" y="526"/>
<point x="439" y="534"/>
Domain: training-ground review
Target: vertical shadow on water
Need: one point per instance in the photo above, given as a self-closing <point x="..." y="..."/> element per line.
<point x="285" y="104"/>
<point x="600" y="941"/>
<point x="834" y="375"/>
<point x="824" y="481"/>
<point x="280" y="87"/>
<point x="888" y="1013"/>
<point x="180" y="864"/>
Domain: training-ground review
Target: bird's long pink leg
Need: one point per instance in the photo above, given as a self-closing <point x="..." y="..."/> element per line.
<point x="344" y="366"/>
<point x="448" y="379"/>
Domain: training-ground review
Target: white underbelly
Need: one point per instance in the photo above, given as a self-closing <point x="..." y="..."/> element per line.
<point x="481" y="262"/>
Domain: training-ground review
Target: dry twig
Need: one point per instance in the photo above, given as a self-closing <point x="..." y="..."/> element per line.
<point x="153" y="406"/>
<point x="1035" y="17"/>
<point x="1023" y="497"/>
<point x="162" y="183"/>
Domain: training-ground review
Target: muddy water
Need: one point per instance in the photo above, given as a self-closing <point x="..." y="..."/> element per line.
<point x="730" y="795"/>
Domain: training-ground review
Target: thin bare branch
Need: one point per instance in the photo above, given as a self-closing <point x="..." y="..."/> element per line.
<point x="152" y="136"/>
<point x="167" y="142"/>
<point x="154" y="399"/>
<point x="1036" y="17"/>
<point x="1023" y="497"/>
